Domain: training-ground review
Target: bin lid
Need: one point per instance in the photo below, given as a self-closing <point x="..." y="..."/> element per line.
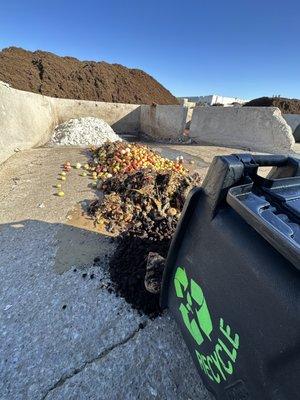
<point x="272" y="208"/>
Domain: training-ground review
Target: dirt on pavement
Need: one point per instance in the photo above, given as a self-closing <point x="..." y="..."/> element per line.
<point x="127" y="269"/>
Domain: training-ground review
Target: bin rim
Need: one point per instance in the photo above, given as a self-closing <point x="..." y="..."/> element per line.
<point x="181" y="228"/>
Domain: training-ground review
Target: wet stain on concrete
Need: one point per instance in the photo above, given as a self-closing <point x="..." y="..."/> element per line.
<point x="79" y="241"/>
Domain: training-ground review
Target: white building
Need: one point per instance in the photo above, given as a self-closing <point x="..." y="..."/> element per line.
<point x="213" y="99"/>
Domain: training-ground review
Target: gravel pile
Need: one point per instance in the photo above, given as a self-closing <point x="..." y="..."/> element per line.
<point x="83" y="132"/>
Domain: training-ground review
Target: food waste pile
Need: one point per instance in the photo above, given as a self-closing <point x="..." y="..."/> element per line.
<point x="143" y="192"/>
<point x="141" y="198"/>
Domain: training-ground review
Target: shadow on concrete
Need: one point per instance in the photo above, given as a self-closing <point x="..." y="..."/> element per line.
<point x="296" y="134"/>
<point x="70" y="245"/>
<point x="130" y="123"/>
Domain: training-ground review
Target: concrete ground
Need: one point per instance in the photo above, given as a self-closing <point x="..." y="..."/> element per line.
<point x="62" y="334"/>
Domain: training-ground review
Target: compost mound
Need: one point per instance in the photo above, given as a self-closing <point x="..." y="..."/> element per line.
<point x="66" y="77"/>
<point x="286" y="106"/>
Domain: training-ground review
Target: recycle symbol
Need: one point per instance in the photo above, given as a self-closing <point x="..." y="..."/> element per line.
<point x="193" y="308"/>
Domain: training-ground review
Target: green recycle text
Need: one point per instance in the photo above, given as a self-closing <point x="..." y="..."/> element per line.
<point x="196" y="316"/>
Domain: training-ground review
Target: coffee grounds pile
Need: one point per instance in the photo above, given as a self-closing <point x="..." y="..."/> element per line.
<point x="286" y="106"/>
<point x="127" y="270"/>
<point x="66" y="77"/>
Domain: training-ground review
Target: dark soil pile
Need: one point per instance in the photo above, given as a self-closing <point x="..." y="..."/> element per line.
<point x="66" y="77"/>
<point x="127" y="270"/>
<point x="286" y="106"/>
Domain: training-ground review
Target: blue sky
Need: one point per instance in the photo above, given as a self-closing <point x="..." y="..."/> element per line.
<point x="234" y="48"/>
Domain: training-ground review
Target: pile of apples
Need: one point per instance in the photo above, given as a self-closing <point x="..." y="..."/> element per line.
<point x="66" y="168"/>
<point x="114" y="158"/>
<point x="121" y="158"/>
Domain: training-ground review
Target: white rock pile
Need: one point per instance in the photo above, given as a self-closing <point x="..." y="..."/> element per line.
<point x="83" y="132"/>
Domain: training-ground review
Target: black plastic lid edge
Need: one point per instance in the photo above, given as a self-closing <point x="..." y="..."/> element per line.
<point x="276" y="239"/>
<point x="186" y="213"/>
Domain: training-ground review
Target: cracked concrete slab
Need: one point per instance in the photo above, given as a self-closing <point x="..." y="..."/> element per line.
<point x="151" y="365"/>
<point x="51" y="324"/>
<point x="62" y="334"/>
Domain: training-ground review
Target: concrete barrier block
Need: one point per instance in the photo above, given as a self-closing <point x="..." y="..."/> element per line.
<point x="26" y="120"/>
<point x="249" y="128"/>
<point x="123" y="118"/>
<point x="162" y="121"/>
<point x="293" y="120"/>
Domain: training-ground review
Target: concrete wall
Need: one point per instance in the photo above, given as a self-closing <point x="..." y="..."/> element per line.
<point x="187" y="103"/>
<point x="250" y="128"/>
<point x="28" y="119"/>
<point x="123" y="118"/>
<point x="293" y="121"/>
<point x="163" y="121"/>
<point x="190" y="108"/>
<point x="189" y="115"/>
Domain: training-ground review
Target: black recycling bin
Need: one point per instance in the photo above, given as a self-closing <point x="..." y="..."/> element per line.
<point x="232" y="279"/>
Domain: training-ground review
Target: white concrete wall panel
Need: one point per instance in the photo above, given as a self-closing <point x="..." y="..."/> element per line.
<point x="250" y="128"/>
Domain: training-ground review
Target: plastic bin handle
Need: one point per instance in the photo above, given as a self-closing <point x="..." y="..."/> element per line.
<point x="283" y="166"/>
<point x="258" y="213"/>
<point x="228" y="171"/>
<point x="272" y="160"/>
